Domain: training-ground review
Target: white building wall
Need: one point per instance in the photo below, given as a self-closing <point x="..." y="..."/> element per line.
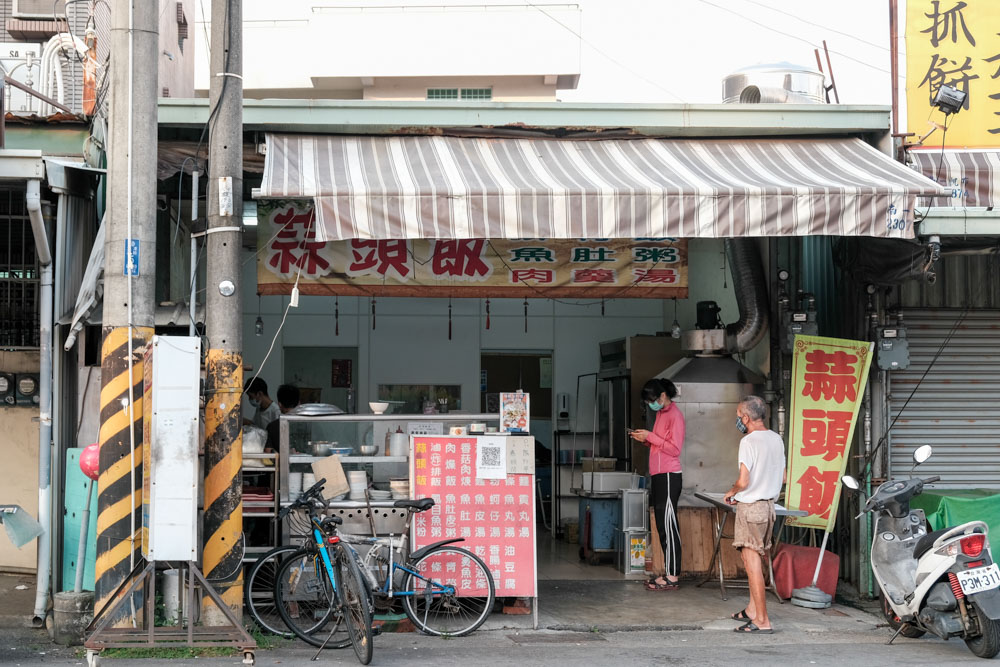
<point x="312" y="50"/>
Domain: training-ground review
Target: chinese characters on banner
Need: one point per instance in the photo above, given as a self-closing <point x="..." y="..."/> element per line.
<point x="286" y="235"/>
<point x="828" y="385"/>
<point x="494" y="517"/>
<point x="954" y="43"/>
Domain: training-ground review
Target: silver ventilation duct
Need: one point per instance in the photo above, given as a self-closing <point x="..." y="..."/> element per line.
<point x="778" y="83"/>
<point x="751" y="295"/>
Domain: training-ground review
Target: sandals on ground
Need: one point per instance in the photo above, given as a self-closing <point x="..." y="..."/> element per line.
<point x="740" y="616"/>
<point x="652" y="585"/>
<point x="750" y="628"/>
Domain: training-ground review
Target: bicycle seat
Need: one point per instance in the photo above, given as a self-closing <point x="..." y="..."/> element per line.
<point x="415" y="505"/>
<point x="331" y="521"/>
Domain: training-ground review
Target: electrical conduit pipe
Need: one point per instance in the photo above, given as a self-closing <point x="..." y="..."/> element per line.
<point x="33" y="200"/>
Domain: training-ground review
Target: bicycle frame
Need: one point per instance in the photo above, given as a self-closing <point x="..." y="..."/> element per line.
<point x="387" y="587"/>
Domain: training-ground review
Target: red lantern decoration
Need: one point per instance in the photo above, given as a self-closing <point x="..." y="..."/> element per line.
<point x="90" y="459"/>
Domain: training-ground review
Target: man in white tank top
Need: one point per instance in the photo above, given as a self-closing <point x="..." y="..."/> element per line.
<point x="762" y="472"/>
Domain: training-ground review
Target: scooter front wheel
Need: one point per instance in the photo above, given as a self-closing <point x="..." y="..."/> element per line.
<point x="987" y="644"/>
<point x="908" y="631"/>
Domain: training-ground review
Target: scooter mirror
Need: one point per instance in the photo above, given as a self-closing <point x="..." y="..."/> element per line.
<point x="922" y="453"/>
<point x="850" y="482"/>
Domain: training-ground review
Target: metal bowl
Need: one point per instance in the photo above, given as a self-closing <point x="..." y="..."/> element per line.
<point x="368" y="450"/>
<point x="320" y="448"/>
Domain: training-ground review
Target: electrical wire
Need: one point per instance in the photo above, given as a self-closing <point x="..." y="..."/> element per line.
<point x="824" y="27"/>
<point x="796" y="37"/>
<point x="608" y="56"/>
<point x="944" y="344"/>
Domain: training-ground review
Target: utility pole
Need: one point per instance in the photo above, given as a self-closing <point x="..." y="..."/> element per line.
<point x="129" y="290"/>
<point x="223" y="527"/>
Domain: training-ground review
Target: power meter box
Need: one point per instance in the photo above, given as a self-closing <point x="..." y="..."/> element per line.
<point x="893" y="349"/>
<point x="170" y="427"/>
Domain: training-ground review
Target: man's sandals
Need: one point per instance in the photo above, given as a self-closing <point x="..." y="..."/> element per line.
<point x="751" y="629"/>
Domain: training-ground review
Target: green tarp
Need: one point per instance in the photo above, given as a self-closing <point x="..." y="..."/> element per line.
<point x="952" y="507"/>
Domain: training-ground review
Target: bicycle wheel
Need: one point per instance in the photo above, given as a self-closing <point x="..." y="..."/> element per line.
<point x="303" y="595"/>
<point x="355" y="602"/>
<point x="453" y="614"/>
<point x="259" y="591"/>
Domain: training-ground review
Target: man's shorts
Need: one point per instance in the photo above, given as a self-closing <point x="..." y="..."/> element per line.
<point x="754" y="526"/>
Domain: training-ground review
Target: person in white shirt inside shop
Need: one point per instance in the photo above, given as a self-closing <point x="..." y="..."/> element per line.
<point x="265" y="410"/>
<point x="762" y="473"/>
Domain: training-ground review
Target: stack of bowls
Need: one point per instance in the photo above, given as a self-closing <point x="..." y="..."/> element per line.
<point x="358" y="481"/>
<point x="400" y="488"/>
<point x="294" y="485"/>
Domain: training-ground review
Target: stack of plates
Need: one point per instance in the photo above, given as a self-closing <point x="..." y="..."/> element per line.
<point x="400" y="488"/>
<point x="378" y="494"/>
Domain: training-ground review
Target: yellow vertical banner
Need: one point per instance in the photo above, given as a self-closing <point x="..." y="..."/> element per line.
<point x="828" y="385"/>
<point x="954" y="43"/>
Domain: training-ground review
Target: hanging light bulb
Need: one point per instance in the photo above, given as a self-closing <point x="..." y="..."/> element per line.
<point x="675" y="328"/>
<point x="258" y="325"/>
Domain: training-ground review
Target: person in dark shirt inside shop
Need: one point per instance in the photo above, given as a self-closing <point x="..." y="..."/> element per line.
<point x="288" y="400"/>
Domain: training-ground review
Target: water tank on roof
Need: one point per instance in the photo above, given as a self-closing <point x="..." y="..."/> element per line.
<point x="774" y="83"/>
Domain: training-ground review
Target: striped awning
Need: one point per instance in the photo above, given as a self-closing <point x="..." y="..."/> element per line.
<point x="388" y="187"/>
<point x="970" y="177"/>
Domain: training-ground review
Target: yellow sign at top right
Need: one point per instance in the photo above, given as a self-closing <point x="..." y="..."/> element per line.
<point x="954" y="43"/>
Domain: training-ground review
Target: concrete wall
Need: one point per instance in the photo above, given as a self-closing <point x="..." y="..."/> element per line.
<point x="176" y="70"/>
<point x="410" y="341"/>
<point x="325" y="50"/>
<point x="505" y="89"/>
<point x="19" y="453"/>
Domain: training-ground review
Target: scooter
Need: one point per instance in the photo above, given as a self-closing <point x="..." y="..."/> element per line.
<point x="943" y="582"/>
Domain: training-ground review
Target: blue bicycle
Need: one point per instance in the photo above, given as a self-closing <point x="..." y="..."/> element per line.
<point x="321" y="587"/>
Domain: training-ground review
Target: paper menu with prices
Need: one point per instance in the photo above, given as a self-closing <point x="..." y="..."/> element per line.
<point x="520" y="455"/>
<point x="491" y="458"/>
<point x="495" y="518"/>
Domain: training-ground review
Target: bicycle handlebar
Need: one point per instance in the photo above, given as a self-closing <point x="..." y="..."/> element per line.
<point x="310" y="494"/>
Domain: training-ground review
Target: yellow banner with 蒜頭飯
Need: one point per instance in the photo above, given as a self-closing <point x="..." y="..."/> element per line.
<point x="828" y="385"/>
<point x="954" y="43"/>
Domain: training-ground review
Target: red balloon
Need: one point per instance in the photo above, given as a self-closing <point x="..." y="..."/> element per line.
<point x="89" y="461"/>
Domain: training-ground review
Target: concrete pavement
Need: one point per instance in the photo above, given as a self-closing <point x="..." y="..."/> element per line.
<point x="581" y="623"/>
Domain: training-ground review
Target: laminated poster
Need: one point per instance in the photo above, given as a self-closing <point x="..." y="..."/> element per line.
<point x="514" y="412"/>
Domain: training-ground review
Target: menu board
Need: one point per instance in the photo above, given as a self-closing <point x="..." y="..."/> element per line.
<point x="495" y="517"/>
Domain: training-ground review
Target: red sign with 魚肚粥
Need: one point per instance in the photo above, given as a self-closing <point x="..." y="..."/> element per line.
<point x="495" y="518"/>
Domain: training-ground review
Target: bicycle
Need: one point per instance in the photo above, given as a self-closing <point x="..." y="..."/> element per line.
<point x="435" y="608"/>
<point x="322" y="583"/>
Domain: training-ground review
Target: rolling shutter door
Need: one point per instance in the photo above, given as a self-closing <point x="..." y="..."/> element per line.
<point x="957" y="407"/>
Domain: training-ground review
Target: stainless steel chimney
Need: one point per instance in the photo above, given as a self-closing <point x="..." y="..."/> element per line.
<point x="777" y="83"/>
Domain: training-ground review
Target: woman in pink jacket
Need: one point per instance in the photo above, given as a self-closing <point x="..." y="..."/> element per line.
<point x="665" y="442"/>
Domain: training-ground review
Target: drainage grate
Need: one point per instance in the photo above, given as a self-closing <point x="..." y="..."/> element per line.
<point x="557" y="638"/>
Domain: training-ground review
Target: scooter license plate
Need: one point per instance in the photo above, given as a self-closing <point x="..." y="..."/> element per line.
<point x="979" y="580"/>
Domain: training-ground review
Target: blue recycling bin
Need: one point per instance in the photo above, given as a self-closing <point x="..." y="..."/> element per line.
<point x="605" y="514"/>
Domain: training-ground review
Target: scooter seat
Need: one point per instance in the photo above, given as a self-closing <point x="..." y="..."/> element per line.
<point x="927" y="541"/>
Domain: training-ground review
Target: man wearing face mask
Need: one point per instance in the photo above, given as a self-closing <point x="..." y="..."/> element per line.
<point x="665" y="442"/>
<point x="266" y="410"/>
<point x="762" y="472"/>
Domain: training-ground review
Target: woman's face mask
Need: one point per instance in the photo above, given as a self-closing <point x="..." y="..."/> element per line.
<point x="655" y="406"/>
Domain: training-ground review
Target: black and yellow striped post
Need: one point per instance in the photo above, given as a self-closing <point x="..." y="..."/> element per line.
<point x="223" y="526"/>
<point x="119" y="510"/>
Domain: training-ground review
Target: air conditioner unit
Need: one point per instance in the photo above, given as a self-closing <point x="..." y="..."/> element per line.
<point x="39" y="9"/>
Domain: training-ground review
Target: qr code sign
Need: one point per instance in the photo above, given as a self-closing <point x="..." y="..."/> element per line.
<point x="490" y="456"/>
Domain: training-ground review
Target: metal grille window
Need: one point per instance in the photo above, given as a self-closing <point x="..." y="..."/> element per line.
<point x="477" y="94"/>
<point x="460" y="94"/>
<point x="442" y="93"/>
<point x="18" y="273"/>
